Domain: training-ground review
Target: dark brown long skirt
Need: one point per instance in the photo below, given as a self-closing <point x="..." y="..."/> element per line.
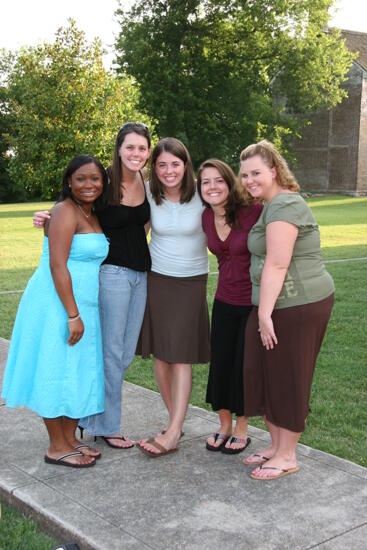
<point x="176" y="321"/>
<point x="278" y="382"/>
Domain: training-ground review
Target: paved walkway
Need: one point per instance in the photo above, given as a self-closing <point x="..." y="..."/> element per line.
<point x="192" y="499"/>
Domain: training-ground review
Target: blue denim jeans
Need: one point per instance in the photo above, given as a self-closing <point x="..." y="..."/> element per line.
<point x="122" y="299"/>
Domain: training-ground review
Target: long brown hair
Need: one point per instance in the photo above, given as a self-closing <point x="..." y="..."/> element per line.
<point x="237" y="199"/>
<point x="273" y="159"/>
<point x="115" y="171"/>
<point x="178" y="149"/>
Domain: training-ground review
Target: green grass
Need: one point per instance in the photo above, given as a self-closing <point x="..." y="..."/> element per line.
<point x="339" y="413"/>
<point x="18" y="533"/>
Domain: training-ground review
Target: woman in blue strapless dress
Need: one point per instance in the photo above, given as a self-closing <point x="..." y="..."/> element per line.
<point x="55" y="364"/>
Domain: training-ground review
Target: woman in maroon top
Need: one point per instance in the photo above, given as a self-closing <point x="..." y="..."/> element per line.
<point x="227" y="220"/>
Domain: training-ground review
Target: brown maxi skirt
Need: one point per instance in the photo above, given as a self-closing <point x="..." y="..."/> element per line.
<point x="278" y="382"/>
<point x="176" y="321"/>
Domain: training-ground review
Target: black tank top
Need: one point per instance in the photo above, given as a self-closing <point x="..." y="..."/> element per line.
<point x="124" y="229"/>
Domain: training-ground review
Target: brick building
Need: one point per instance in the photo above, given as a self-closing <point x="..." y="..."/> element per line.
<point x="332" y="155"/>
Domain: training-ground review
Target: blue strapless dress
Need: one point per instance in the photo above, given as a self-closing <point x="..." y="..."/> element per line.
<point x="43" y="372"/>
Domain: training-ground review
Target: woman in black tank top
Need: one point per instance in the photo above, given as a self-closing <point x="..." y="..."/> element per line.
<point x="123" y="275"/>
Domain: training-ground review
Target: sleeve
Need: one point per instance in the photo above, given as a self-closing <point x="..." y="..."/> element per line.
<point x="257" y="209"/>
<point x="148" y="193"/>
<point x="291" y="209"/>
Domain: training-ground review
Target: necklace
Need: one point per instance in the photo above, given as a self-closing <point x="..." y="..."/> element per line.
<point x="82" y="211"/>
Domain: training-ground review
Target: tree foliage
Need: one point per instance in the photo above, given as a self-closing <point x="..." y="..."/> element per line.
<point x="209" y="70"/>
<point x="61" y="101"/>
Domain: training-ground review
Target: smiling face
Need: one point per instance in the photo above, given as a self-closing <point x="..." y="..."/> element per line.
<point x="86" y="183"/>
<point x="134" y="152"/>
<point x="170" y="170"/>
<point x="214" y="189"/>
<point x="258" y="179"/>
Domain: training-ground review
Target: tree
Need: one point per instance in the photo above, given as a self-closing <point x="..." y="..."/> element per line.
<point x="209" y="70"/>
<point x="62" y="102"/>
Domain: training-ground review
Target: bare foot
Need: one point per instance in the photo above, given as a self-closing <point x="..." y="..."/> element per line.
<point x="119" y="441"/>
<point x="240" y="444"/>
<point x="260" y="457"/>
<point x="85" y="449"/>
<point x="88" y="451"/>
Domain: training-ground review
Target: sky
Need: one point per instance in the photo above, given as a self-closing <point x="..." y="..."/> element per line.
<point x="29" y="22"/>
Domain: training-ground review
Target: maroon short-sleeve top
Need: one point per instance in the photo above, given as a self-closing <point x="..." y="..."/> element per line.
<point x="234" y="283"/>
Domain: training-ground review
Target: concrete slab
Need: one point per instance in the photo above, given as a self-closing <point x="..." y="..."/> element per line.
<point x="355" y="538"/>
<point x="191" y="499"/>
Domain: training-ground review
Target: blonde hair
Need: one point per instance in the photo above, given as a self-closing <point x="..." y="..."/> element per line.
<point x="273" y="159"/>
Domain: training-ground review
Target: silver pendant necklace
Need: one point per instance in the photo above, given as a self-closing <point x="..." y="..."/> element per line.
<point x="82" y="211"/>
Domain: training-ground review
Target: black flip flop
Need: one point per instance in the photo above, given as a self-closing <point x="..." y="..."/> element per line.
<point x="234" y="439"/>
<point x="106" y="438"/>
<point x="217" y="436"/>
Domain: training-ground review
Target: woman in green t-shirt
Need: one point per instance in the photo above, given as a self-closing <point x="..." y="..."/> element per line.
<point x="293" y="295"/>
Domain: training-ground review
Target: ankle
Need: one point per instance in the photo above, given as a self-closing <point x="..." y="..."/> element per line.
<point x="226" y="429"/>
<point x="59" y="446"/>
<point x="287" y="455"/>
<point x="173" y="431"/>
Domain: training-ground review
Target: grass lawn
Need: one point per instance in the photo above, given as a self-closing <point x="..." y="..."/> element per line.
<point x="338" y="420"/>
<point x="18" y="533"/>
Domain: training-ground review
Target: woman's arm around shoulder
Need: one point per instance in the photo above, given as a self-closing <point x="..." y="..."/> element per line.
<point x="39" y="218"/>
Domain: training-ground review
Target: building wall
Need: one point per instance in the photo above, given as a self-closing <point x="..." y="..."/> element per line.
<point x="362" y="155"/>
<point x="327" y="155"/>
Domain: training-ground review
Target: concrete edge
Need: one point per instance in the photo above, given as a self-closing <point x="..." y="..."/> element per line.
<point x="47" y="524"/>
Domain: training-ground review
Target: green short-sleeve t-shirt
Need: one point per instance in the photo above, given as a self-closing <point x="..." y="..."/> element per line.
<point x="306" y="280"/>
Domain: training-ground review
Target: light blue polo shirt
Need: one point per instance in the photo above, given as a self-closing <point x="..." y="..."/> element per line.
<point x="178" y="244"/>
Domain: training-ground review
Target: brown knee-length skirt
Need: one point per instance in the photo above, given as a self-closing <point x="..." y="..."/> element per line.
<point x="277" y="382"/>
<point x="176" y="321"/>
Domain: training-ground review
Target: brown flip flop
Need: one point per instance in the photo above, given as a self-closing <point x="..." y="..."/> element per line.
<point x="262" y="460"/>
<point x="61" y="461"/>
<point x="281" y="471"/>
<point x="162" y="450"/>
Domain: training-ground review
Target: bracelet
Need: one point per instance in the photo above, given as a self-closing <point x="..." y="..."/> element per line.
<point x="73" y="316"/>
<point x="71" y="319"/>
